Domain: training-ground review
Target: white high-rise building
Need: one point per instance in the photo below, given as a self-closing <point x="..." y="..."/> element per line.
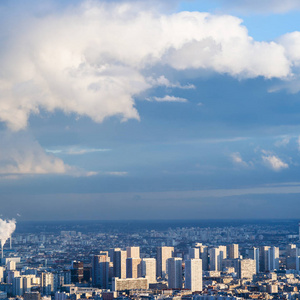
<point x="233" y="251"/>
<point x="194" y="253"/>
<point x="254" y="254"/>
<point x="27" y="280"/>
<point x="163" y="254"/>
<point x="47" y="283"/>
<point x="193" y="274"/>
<point x="133" y="252"/>
<point x="1" y="274"/>
<point x="11" y="265"/>
<point x="216" y="257"/>
<point x="119" y="260"/>
<point x="273" y="258"/>
<point x="175" y="273"/>
<point x="132" y="266"/>
<point x="148" y="269"/>
<point x="223" y="254"/>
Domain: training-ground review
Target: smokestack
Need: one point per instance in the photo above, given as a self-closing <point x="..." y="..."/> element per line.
<point x="2" y="250"/>
<point x="10" y="243"/>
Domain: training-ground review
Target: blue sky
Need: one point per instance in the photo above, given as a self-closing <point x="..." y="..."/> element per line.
<point x="131" y="110"/>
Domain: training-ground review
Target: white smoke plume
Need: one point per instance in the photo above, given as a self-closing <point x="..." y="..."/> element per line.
<point x="7" y="227"/>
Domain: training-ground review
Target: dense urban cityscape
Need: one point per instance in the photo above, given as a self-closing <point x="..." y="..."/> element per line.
<point x="139" y="261"/>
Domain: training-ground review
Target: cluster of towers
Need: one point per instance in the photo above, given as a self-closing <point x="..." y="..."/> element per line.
<point x="127" y="264"/>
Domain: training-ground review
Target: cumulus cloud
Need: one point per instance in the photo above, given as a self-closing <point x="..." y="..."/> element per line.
<point x="89" y="59"/>
<point x="291" y="43"/>
<point x="169" y="98"/>
<point x="273" y="162"/>
<point x="22" y="155"/>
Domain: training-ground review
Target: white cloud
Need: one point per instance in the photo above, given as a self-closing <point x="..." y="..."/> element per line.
<point x="168" y="98"/>
<point x="237" y="158"/>
<point x="284" y="141"/>
<point x="21" y="155"/>
<point x="89" y="59"/>
<point x="163" y="81"/>
<point x="291" y="44"/>
<point x="273" y="162"/>
<point x="117" y="173"/>
<point x="75" y="151"/>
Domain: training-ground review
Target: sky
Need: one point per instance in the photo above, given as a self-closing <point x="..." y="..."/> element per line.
<point x="157" y="109"/>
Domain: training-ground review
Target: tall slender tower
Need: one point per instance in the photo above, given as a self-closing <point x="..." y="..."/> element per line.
<point x="233" y="251"/>
<point x="100" y="270"/>
<point x="193" y="274"/>
<point x="119" y="260"/>
<point x="163" y="254"/>
<point x="175" y="273"/>
<point x="148" y="269"/>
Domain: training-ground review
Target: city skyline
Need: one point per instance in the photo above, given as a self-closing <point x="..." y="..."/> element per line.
<point x="135" y="110"/>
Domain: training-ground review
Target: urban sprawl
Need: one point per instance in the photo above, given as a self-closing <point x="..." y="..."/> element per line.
<point x="252" y="261"/>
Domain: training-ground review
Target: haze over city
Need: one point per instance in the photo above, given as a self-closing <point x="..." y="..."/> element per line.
<point x="149" y="109"/>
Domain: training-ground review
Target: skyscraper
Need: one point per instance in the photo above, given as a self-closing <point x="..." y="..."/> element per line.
<point x="174" y="273"/>
<point x="194" y="253"/>
<point x="147" y="269"/>
<point x="291" y="254"/>
<point x="133" y="252"/>
<point x="163" y="254"/>
<point x="254" y="254"/>
<point x="216" y="257"/>
<point x="17" y="286"/>
<point x="46" y="283"/>
<point x="203" y="255"/>
<point x="273" y="258"/>
<point x="233" y="251"/>
<point x="100" y="270"/>
<point x="264" y="265"/>
<point x="132" y="266"/>
<point x="119" y="260"/>
<point x="193" y="274"/>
